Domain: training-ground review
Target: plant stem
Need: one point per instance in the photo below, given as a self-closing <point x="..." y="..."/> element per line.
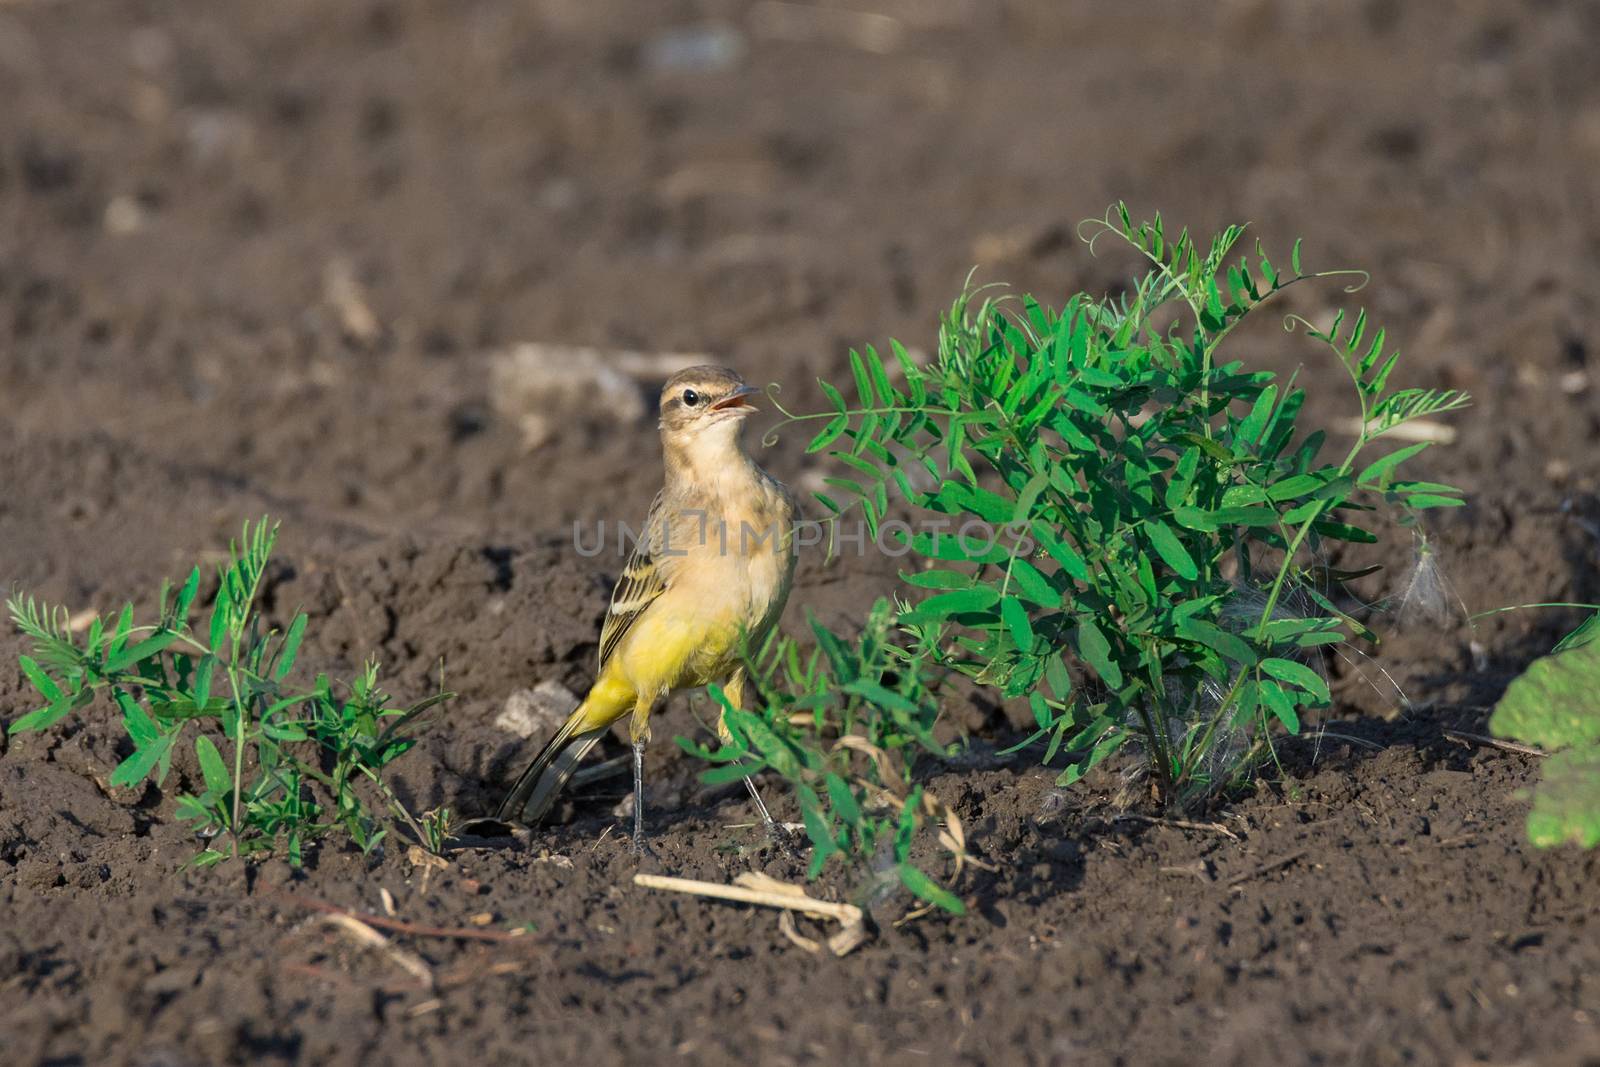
<point x="1222" y="712"/>
<point x="1523" y="607"/>
<point x="238" y="749"/>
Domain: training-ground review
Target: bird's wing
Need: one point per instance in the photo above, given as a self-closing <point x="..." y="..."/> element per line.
<point x="642" y="581"/>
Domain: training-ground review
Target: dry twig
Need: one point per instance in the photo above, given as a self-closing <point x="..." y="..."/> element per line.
<point x="1179" y="824"/>
<point x="1494" y="742"/>
<point x="365" y="936"/>
<point x="1266" y="868"/>
<point x="398" y="925"/>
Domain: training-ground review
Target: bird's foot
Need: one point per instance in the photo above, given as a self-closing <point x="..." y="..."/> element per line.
<point x="642" y="849"/>
<point x="777" y="833"/>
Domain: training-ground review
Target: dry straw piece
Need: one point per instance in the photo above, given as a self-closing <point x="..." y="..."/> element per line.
<point x="752" y="888"/>
<point x="367" y="937"/>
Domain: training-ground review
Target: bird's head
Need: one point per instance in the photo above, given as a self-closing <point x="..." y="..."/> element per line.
<point x="704" y="407"/>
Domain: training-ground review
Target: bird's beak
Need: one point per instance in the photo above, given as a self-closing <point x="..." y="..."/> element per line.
<point x="738" y="400"/>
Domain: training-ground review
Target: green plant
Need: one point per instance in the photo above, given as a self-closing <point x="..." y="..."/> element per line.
<point x="844" y="726"/>
<point x="1554" y="705"/>
<point x="167" y="675"/>
<point x="436" y="827"/>
<point x="1164" y="514"/>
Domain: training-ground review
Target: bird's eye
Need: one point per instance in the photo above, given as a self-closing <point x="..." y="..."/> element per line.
<point x="690" y="397"/>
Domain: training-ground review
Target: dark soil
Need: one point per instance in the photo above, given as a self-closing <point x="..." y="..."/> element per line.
<point x="183" y="185"/>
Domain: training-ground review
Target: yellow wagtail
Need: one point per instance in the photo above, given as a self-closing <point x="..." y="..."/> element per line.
<point x="714" y="562"/>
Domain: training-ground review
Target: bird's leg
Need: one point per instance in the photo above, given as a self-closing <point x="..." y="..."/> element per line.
<point x="639" y="731"/>
<point x="734" y="691"/>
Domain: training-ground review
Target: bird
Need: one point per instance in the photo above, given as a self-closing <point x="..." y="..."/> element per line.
<point x="711" y="568"/>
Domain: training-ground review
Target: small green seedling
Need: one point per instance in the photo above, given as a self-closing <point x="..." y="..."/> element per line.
<point x="844" y="726"/>
<point x="312" y="748"/>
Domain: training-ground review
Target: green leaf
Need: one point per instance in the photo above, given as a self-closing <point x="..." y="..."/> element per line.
<point x="1239" y="495"/>
<point x="927" y="889"/>
<point x="291" y="647"/>
<point x="186" y="595"/>
<point x="834" y="396"/>
<point x="201" y="692"/>
<point x="1209" y="446"/>
<point x="817" y="829"/>
<point x="936" y="579"/>
<point x="1250" y="429"/>
<point x="1298" y="674"/>
<point x="1245" y="517"/>
<point x="119" y="636"/>
<point x="1219" y="640"/>
<point x="1192" y="518"/>
<point x="1281" y="704"/>
<point x="1211" y="521"/>
<point x="1058" y="677"/>
<point x="1555" y="703"/>
<point x="1096" y="652"/>
<point x="219" y="616"/>
<point x="906" y="828"/>
<point x="884" y="698"/>
<point x="1060" y="551"/>
<point x="951" y="548"/>
<point x="1340" y="531"/>
<point x="1421" y="501"/>
<point x="1041" y="710"/>
<point x="1379" y="472"/>
<point x="141" y="728"/>
<point x="863" y="383"/>
<point x="136" y="767"/>
<point x="44" y="717"/>
<point x="1034" y="585"/>
<point x="732" y="772"/>
<point x="1587" y="631"/>
<point x="1289" y="488"/>
<point x="960" y="601"/>
<point x="41" y="681"/>
<point x="1029" y="496"/>
<point x="1182" y="478"/>
<point x="1171" y="550"/>
<point x="1015" y="617"/>
<point x="843" y="800"/>
<point x="141" y="651"/>
<point x="1566" y="802"/>
<point x="191" y="807"/>
<point x="215" y="772"/>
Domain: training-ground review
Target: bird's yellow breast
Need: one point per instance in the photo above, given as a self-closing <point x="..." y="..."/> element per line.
<point x="728" y="579"/>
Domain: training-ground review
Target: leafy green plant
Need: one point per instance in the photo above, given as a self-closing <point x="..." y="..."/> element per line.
<point x="844" y="726"/>
<point x="167" y="675"/>
<point x="1555" y="704"/>
<point x="1162" y="514"/>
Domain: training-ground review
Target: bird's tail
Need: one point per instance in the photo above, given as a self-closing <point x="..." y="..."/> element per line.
<point x="537" y="787"/>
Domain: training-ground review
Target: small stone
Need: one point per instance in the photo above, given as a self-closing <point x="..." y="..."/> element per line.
<point x="124" y="216"/>
<point x="540" y="388"/>
<point x="537" y="712"/>
<point x="707" y="46"/>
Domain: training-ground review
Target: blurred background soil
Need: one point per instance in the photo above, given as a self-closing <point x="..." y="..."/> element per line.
<point x="405" y="276"/>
